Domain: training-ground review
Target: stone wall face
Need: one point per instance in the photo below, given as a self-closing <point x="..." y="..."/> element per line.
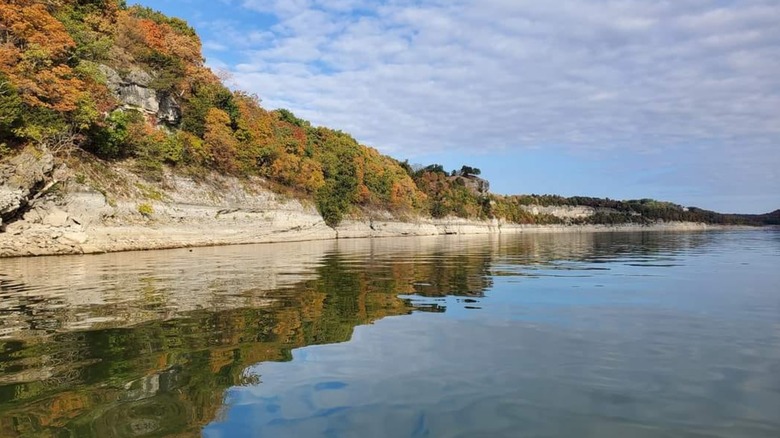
<point x="563" y="212"/>
<point x="134" y="92"/>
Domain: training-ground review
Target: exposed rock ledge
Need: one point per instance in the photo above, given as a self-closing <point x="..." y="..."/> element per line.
<point x="187" y="213"/>
<point x="60" y="232"/>
<point x="134" y="92"/>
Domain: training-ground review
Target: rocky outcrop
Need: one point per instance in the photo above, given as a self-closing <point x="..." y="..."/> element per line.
<point x="36" y="221"/>
<point x="22" y="179"/>
<point x="134" y="92"/>
<point x="475" y="184"/>
<point x="168" y="110"/>
<point x="562" y="211"/>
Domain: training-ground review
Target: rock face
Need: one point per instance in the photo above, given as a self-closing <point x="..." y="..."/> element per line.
<point x="21" y="178"/>
<point x="36" y="221"/>
<point x="474" y="183"/>
<point x="562" y="212"/>
<point x="134" y="92"/>
<point x="168" y="111"/>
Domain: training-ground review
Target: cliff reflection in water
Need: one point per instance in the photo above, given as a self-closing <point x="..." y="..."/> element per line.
<point x="146" y="343"/>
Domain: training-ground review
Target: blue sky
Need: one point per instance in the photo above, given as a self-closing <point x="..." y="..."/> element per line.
<point x="675" y="100"/>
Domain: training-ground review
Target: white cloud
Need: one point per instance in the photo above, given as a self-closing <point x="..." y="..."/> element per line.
<point x="214" y="46"/>
<point x="413" y="77"/>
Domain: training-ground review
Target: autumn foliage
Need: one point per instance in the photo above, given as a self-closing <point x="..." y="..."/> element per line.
<point x="53" y="58"/>
<point x="34" y="49"/>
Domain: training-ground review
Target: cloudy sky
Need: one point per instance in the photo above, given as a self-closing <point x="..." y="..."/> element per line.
<point x="675" y="99"/>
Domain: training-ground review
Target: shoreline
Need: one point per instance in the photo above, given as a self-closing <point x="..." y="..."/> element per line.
<point x="300" y="226"/>
<point x="181" y="212"/>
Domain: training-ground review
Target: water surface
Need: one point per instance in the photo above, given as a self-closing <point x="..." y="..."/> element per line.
<point x="625" y="334"/>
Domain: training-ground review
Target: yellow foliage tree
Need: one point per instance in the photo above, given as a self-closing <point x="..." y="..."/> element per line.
<point x="222" y="145"/>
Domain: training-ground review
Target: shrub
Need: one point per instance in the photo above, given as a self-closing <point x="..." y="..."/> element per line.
<point x="172" y="149"/>
<point x="111" y="139"/>
<point x="145" y="209"/>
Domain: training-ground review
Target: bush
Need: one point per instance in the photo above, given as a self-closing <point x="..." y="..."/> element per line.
<point x="439" y="210"/>
<point x="40" y="124"/>
<point x="145" y="209"/>
<point x="193" y="149"/>
<point x="112" y="138"/>
<point x="172" y="149"/>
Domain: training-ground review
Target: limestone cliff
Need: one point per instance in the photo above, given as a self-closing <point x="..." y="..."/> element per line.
<point x="182" y="211"/>
<point x="134" y="92"/>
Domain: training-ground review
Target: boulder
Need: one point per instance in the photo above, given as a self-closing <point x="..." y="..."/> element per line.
<point x="56" y="218"/>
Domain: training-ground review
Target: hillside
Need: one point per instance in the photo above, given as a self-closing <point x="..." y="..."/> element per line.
<point x="99" y="97"/>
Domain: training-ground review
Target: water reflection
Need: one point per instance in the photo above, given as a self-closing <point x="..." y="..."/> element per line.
<point x="145" y="344"/>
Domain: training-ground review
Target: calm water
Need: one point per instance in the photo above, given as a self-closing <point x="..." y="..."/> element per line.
<point x="618" y="335"/>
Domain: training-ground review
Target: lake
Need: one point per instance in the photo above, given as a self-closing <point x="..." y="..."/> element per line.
<point x="567" y="335"/>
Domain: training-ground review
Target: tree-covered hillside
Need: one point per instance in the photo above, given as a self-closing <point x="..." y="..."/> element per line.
<point x="99" y="79"/>
<point x="80" y="73"/>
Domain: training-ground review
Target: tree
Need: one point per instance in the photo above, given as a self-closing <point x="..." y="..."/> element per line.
<point x="219" y="138"/>
<point x="34" y="56"/>
<point x="287" y="116"/>
<point x="468" y="171"/>
<point x="10" y="107"/>
<point x="433" y="168"/>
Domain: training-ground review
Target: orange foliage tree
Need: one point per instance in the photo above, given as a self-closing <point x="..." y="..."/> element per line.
<point x="34" y="48"/>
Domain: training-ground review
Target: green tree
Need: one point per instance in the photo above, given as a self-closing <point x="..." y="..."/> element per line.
<point x="468" y="170"/>
<point x="10" y="108"/>
<point x="205" y="98"/>
<point x="287" y="116"/>
<point x="112" y="138"/>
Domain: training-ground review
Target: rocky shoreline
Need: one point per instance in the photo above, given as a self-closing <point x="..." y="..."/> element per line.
<point x="63" y="231"/>
<point x="47" y="211"/>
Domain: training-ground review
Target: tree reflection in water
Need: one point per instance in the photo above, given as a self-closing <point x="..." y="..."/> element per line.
<point x="139" y="344"/>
